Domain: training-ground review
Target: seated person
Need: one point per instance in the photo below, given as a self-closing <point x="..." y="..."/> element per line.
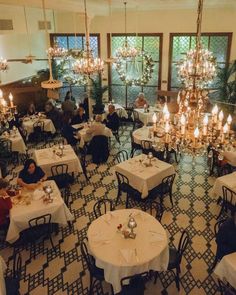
<point x="140" y="101"/>
<point x="68" y="106"/>
<point x="31" y="175"/>
<point x="69" y="96"/>
<point x="97" y="128"/>
<point x="226" y="237"/>
<point x="68" y="132"/>
<point x="53" y="114"/>
<point x="112" y="121"/>
<point x="79" y="116"/>
<point x="5" y="205"/>
<point x="31" y="110"/>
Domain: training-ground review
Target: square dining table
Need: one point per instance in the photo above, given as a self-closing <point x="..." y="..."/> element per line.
<point x="143" y="177"/>
<point x="226" y="180"/>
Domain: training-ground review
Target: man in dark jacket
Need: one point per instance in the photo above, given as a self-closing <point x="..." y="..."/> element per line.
<point x="226" y="237"/>
<point x="112" y="120"/>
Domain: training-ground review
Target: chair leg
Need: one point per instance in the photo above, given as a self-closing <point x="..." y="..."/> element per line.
<point x="221" y="210"/>
<point x="156" y="275"/>
<point x="118" y="196"/>
<point x="91" y="285"/>
<point x="127" y="201"/>
<point x="171" y="200"/>
<point x="213" y="265"/>
<point x="177" y="280"/>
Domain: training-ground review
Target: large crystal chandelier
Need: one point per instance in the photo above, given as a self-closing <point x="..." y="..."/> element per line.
<point x="88" y="65"/>
<point x="56" y="51"/>
<point x="3" y="65"/>
<point x="126" y="51"/>
<point x="198" y="68"/>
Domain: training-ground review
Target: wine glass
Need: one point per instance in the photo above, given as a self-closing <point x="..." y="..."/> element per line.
<point x="48" y="191"/>
<point x="61" y="147"/>
<point x="150" y="156"/>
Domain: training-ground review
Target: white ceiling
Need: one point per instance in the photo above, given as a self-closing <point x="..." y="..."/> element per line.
<point x="101" y="7"/>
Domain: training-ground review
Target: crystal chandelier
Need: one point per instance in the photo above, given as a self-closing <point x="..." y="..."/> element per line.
<point x="198" y="68"/>
<point x="3" y="64"/>
<point x="126" y="51"/>
<point x="88" y="65"/>
<point x="56" y="51"/>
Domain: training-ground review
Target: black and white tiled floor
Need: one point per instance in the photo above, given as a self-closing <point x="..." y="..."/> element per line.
<point x="194" y="209"/>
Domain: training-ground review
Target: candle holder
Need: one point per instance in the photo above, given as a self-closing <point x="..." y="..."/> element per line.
<point x="61" y="147"/>
<point x="48" y="190"/>
<point x="132" y="224"/>
<point x="150" y="157"/>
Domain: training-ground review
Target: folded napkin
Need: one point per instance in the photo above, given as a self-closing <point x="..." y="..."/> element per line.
<point x="127" y="254"/>
<point x="38" y="194"/>
<point x="156" y="237"/>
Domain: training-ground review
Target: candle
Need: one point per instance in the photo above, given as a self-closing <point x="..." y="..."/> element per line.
<point x="154" y="120"/>
<point x="196" y="135"/>
<point x="225" y="130"/>
<point x="167" y="129"/>
<point x="214" y="114"/>
<point x="183" y="123"/>
<point x="205" y="123"/>
<point x="221" y="117"/>
<point x="165" y="108"/>
<point x="166" y="116"/>
<point x="1" y="94"/>
<point x="229" y="120"/>
<point x="11" y="100"/>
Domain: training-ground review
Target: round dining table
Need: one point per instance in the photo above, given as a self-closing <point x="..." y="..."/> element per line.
<point x="120" y="257"/>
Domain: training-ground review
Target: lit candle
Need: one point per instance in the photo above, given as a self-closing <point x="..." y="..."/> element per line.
<point x="225" y="130"/>
<point x="214" y="114"/>
<point x="11" y="100"/>
<point x="166" y="116"/>
<point x="205" y="123"/>
<point x="1" y="94"/>
<point x="167" y="129"/>
<point x="221" y="117"/>
<point x="229" y="120"/>
<point x="154" y="120"/>
<point x="165" y="108"/>
<point x="183" y="123"/>
<point x="196" y="135"/>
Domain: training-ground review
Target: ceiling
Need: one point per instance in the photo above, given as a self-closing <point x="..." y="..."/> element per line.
<point x="101" y="7"/>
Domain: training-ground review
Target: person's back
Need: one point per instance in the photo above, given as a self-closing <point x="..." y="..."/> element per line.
<point x="113" y="121"/>
<point x="68" y="106"/>
<point x="226" y="237"/>
<point x="97" y="128"/>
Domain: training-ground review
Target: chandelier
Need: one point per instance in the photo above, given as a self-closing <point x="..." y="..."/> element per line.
<point x="126" y="51"/>
<point x="51" y="83"/>
<point x="56" y="51"/>
<point x="88" y="65"/>
<point x="198" y="68"/>
<point x="3" y="65"/>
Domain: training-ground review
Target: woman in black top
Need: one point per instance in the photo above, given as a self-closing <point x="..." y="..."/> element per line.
<point x="31" y="175"/>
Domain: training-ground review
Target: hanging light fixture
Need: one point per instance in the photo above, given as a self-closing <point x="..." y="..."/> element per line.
<point x="3" y="65"/>
<point x="88" y="65"/>
<point x="198" y="68"/>
<point x="51" y="83"/>
<point x="126" y="51"/>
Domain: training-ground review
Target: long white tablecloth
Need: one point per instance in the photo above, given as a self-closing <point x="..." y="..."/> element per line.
<point x="20" y="214"/>
<point x="230" y="157"/>
<point x="226" y="269"/>
<point x="18" y="144"/>
<point x="3" y="267"/>
<point x="85" y="137"/>
<point x="228" y="180"/>
<point x="28" y="125"/>
<point x="144" y="178"/>
<point x="117" y="256"/>
<point x="46" y="158"/>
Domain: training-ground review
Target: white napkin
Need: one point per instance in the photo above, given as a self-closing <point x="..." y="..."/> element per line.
<point x="156" y="237"/>
<point x="127" y="254"/>
<point x="38" y="194"/>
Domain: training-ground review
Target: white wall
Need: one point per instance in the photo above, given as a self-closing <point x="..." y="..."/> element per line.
<point x="14" y="44"/>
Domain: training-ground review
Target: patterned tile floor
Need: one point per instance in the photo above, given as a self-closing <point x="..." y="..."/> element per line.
<point x="194" y="209"/>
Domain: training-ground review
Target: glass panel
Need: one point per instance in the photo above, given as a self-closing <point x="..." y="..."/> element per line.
<point x="152" y="45"/>
<point x="155" y="74"/>
<point x="132" y="93"/>
<point x="150" y="94"/>
<point x="118" y="94"/>
<point x="175" y="82"/>
<point x="75" y="42"/>
<point x="62" y="41"/>
<point x="181" y="45"/>
<point x="219" y="46"/>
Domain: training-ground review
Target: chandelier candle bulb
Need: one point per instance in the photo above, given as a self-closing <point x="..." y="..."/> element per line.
<point x="205" y="123"/>
<point x="196" y="135"/>
<point x="221" y="117"/>
<point x="154" y="120"/>
<point x="214" y="114"/>
<point x="183" y="124"/>
<point x="229" y="120"/>
<point x="11" y="100"/>
<point x="225" y="130"/>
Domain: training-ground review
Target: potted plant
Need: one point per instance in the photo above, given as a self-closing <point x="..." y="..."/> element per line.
<point x="97" y="92"/>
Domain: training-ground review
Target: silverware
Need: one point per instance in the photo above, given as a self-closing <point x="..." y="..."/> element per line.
<point x="136" y="255"/>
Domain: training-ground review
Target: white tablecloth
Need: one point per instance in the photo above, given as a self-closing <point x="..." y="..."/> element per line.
<point x="28" y="125"/>
<point x="18" y="144"/>
<point x="144" y="133"/>
<point x="21" y="214"/>
<point x="85" y="137"/>
<point x="116" y="255"/>
<point x="119" y="109"/>
<point x="228" y="180"/>
<point x="230" y="156"/>
<point x="45" y="158"/>
<point x="226" y="269"/>
<point x="144" y="178"/>
<point x="146" y="117"/>
<point x="3" y="267"/>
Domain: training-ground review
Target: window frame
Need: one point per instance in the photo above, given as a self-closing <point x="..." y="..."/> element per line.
<point x="109" y="37"/>
<point x="207" y="34"/>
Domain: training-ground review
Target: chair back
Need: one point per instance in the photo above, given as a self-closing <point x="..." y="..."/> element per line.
<point x="121" y="178"/>
<point x="122" y="156"/>
<point x="155" y="209"/>
<point x="59" y="169"/>
<point x="134" y="284"/>
<point x="43" y="221"/>
<point x="183" y="244"/>
<point x="38" y="126"/>
<point x="167" y="183"/>
<point x="6" y="146"/>
<point x="66" y="194"/>
<point x="225" y="288"/>
<point x="136" y="116"/>
<point x="217" y="226"/>
<point x="229" y="198"/>
<point x="87" y="257"/>
<point x="102" y="206"/>
<point x="99" y="149"/>
<point x="17" y="265"/>
<point x="146" y="146"/>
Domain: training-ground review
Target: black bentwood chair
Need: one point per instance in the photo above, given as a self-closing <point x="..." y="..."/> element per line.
<point x="12" y="281"/>
<point x="122" y="156"/>
<point x="102" y="207"/>
<point x="134" y="285"/>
